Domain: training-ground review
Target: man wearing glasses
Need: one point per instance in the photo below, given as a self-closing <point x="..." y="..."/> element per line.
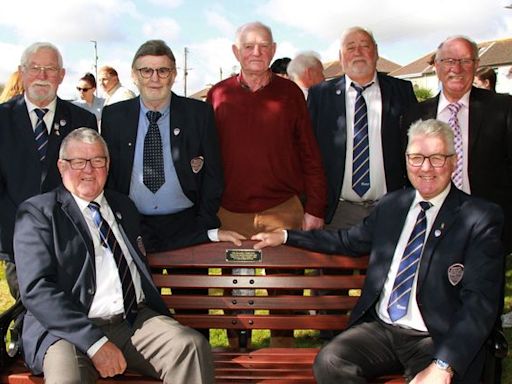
<point x="482" y="124"/>
<point x="432" y="289"/>
<point x="92" y="309"/>
<point x="165" y="155"/>
<point x="32" y="127"/>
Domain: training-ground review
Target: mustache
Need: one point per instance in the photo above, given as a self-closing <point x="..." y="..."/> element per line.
<point x="43" y="83"/>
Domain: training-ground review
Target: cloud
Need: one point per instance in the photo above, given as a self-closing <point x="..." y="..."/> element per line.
<point x="166" y="3"/>
<point x="220" y="22"/>
<point x="163" y="28"/>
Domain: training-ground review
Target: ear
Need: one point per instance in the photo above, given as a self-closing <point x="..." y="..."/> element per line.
<point x="60" y="165"/>
<point x="236" y="52"/>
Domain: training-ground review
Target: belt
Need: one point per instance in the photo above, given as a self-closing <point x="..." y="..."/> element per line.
<point x="366" y="204"/>
<point x="111" y="320"/>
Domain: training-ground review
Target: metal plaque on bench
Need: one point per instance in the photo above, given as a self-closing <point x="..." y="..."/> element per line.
<point x="243" y="255"/>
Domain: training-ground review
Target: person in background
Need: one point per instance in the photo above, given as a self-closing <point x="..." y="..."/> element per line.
<point x="13" y="87"/>
<point x="32" y="126"/>
<point x="306" y="70"/>
<point x="274" y="176"/>
<point x="485" y="77"/>
<point x="432" y="288"/>
<point x="92" y="308"/>
<point x="279" y="66"/>
<point x="114" y="91"/>
<point x="88" y="100"/>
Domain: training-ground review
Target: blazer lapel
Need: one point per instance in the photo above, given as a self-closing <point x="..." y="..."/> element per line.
<point x="128" y="137"/>
<point x="476" y="115"/>
<point x="340" y="108"/>
<point x="445" y="218"/>
<point x="23" y="129"/>
<point x="385" y="96"/>
<point x="71" y="210"/>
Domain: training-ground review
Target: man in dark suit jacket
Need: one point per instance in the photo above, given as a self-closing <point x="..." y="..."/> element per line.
<point x="23" y="171"/>
<point x="82" y="321"/>
<point x="183" y="210"/>
<point x="485" y="119"/>
<point x="452" y="296"/>
<point x="331" y="105"/>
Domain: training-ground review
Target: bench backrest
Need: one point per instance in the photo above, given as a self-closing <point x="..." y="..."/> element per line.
<point x="289" y="263"/>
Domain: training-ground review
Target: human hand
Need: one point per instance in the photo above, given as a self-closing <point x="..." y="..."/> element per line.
<point x="310" y="222"/>
<point x="268" y="239"/>
<point x="232" y="236"/>
<point x="432" y="375"/>
<point x="109" y="360"/>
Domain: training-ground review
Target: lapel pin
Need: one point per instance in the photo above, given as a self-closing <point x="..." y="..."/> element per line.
<point x="119" y="216"/>
<point x="338" y="92"/>
<point x="56" y="129"/>
<point x="176" y="131"/>
<point x="437" y="233"/>
<point x="62" y="123"/>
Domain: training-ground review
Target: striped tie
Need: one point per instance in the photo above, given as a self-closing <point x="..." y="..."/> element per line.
<point x="361" y="149"/>
<point x="399" y="299"/>
<point x="453" y="122"/>
<point x="153" y="175"/>
<point x="41" y="133"/>
<point x="109" y="241"/>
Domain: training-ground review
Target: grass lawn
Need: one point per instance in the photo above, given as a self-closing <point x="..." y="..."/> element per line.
<point x="304" y="338"/>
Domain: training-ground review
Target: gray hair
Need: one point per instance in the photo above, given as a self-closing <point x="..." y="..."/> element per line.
<point x="33" y="48"/>
<point x="301" y="62"/>
<point x="83" y="135"/>
<point x="474" y="46"/>
<point x="251" y="26"/>
<point x="350" y="30"/>
<point x="432" y="128"/>
<point x="154" y="48"/>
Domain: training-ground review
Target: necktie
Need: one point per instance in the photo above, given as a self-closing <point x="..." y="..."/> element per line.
<point x="41" y="133"/>
<point x="361" y="149"/>
<point x="399" y="299"/>
<point x="454" y="124"/>
<point x="153" y="158"/>
<point x="109" y="241"/>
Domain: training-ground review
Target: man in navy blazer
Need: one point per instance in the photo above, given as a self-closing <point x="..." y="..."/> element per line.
<point x="77" y="327"/>
<point x="453" y="294"/>
<point x="331" y="105"/>
<point x="485" y="120"/>
<point x="22" y="171"/>
<point x="183" y="211"/>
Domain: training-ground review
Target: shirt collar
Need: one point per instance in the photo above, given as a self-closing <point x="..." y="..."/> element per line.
<point x="165" y="111"/>
<point x="243" y="84"/>
<point x="436" y="201"/>
<point x="349" y="81"/>
<point x="83" y="204"/>
<point x="31" y="106"/>
<point x="443" y="101"/>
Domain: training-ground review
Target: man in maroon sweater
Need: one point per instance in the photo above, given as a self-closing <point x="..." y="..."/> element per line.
<point x="273" y="171"/>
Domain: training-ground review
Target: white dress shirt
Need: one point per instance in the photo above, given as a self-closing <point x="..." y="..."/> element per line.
<point x="413" y="318"/>
<point x="48" y="117"/>
<point x="443" y="114"/>
<point x="373" y="100"/>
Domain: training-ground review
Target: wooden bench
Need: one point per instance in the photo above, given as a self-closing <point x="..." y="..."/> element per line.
<point x="243" y="365"/>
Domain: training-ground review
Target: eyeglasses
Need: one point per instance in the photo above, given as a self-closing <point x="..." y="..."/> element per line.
<point x="263" y="45"/>
<point x="83" y="89"/>
<point x="96" y="162"/>
<point x="35" y="70"/>
<point x="466" y="63"/>
<point x="436" y="161"/>
<point x="162" y="72"/>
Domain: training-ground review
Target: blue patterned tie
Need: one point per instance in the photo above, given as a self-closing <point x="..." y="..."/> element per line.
<point x="41" y="133"/>
<point x="153" y="175"/>
<point x="109" y="241"/>
<point x="399" y="299"/>
<point x="361" y="149"/>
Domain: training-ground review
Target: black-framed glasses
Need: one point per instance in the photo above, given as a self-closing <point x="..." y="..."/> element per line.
<point x="436" y="160"/>
<point x="466" y="63"/>
<point x="162" y="72"/>
<point x="35" y="70"/>
<point x="83" y="89"/>
<point x="96" y="162"/>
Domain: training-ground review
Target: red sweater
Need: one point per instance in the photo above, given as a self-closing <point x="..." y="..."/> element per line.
<point x="269" y="151"/>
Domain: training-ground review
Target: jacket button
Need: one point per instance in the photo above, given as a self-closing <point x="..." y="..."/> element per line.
<point x="90" y="291"/>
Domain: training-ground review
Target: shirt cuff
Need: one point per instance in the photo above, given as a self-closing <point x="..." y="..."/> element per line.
<point x="96" y="346"/>
<point x="285" y="233"/>
<point x="213" y="234"/>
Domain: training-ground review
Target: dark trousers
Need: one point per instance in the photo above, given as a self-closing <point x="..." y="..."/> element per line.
<point x="167" y="232"/>
<point x="373" y="348"/>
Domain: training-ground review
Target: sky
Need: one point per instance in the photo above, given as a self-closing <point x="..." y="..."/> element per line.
<point x="404" y="30"/>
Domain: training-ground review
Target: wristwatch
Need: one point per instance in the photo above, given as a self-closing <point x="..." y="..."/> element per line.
<point x="441" y="364"/>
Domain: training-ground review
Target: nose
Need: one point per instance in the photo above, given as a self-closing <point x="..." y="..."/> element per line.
<point x="426" y="166"/>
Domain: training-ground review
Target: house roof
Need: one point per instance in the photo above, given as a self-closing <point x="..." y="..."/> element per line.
<point x="492" y="53"/>
<point x="333" y="68"/>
